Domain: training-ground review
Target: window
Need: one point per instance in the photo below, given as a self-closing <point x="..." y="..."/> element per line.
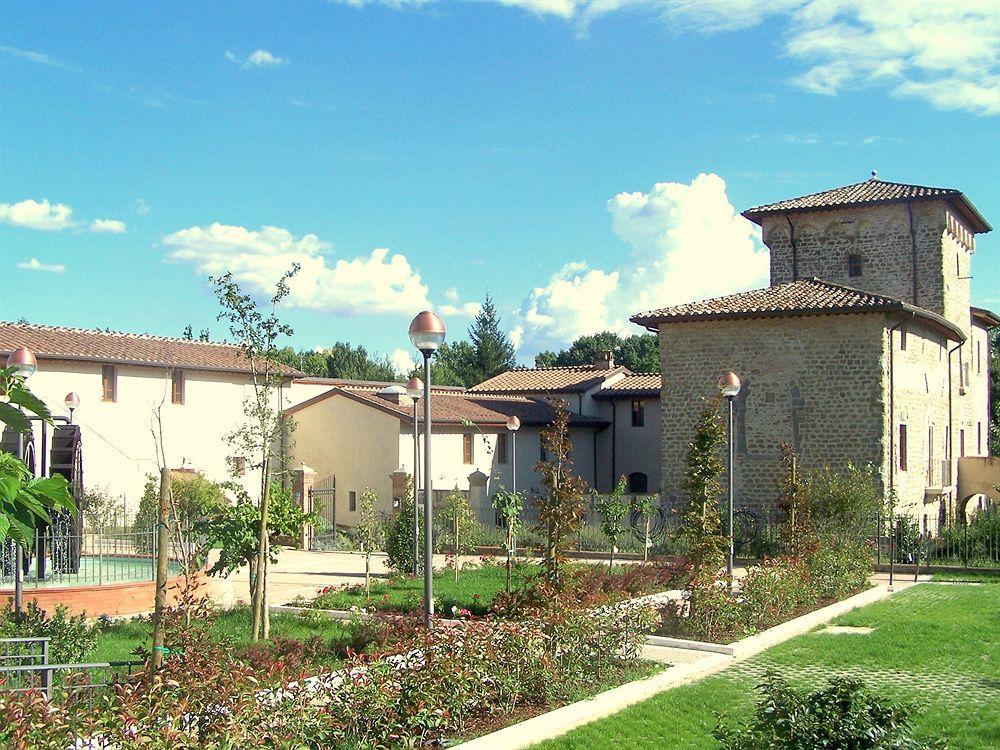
<point x="902" y="447"/>
<point x="930" y="452"/>
<point x="638" y="413"/>
<point x="109" y="380"/>
<point x="541" y="449"/>
<point x="467" y="448"/>
<point x="638" y="482"/>
<point x="237" y="465"/>
<point x="902" y="339"/>
<point x="177" y="386"/>
<point x="853" y="266"/>
<point x="961" y="443"/>
<point x="352" y="501"/>
<point x="502" y="448"/>
<point x="979" y="438"/>
<point x="979" y="358"/>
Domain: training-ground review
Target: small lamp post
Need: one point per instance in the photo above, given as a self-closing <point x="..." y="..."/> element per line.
<point x="415" y="389"/>
<point x="72" y="401"/>
<point x="24" y="363"/>
<point x="427" y="334"/>
<point x="729" y="386"/>
<point x="513" y="425"/>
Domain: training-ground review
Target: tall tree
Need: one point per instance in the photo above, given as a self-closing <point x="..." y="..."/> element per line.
<point x="639" y="353"/>
<point x="355" y="363"/>
<point x="492" y="351"/>
<point x="257" y="332"/>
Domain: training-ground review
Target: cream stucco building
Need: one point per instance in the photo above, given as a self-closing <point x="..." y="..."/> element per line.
<point x="863" y="349"/>
<point x="133" y="388"/>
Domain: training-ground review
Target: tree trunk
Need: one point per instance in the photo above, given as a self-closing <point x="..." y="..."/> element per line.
<point x="265" y="619"/>
<point x="368" y="583"/>
<point x="261" y="572"/>
<point x="458" y="547"/>
<point x="510" y="544"/>
<point x="645" y="542"/>
<point x="156" y="657"/>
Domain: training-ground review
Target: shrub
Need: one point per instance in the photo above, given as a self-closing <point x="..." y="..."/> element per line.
<point x="399" y="535"/>
<point x="846" y="502"/>
<point x="772" y="591"/>
<point x="71" y="636"/>
<point x="840" y="716"/>
<point x="836" y="570"/>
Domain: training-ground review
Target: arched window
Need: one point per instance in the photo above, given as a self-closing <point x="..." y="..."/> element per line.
<point x="638" y="482"/>
<point x="853" y="265"/>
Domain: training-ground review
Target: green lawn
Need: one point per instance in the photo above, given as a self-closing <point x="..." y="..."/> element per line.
<point x="474" y="591"/>
<point x="120" y="640"/>
<point x="937" y="646"/>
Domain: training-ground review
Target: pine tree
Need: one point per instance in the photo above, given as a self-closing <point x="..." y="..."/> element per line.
<point x="493" y="352"/>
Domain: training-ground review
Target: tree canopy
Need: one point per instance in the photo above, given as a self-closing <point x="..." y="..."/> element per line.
<point x="639" y="352"/>
<point x="342" y="360"/>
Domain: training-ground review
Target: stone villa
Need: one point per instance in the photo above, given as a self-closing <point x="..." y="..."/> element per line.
<point x="864" y="349"/>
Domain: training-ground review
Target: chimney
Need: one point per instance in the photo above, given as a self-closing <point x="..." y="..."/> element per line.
<point x="604" y="360"/>
<point x="396" y="394"/>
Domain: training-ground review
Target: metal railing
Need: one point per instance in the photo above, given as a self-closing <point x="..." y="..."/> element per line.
<point x="87" y="559"/>
<point x="939" y="472"/>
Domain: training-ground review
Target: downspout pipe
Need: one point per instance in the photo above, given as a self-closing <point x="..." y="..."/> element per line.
<point x="913" y="252"/>
<point x="795" y="249"/>
<point x="951" y="415"/>
<point x="892" y="402"/>
<point x="614" y="439"/>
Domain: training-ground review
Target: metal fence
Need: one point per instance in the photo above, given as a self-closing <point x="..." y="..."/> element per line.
<point x="88" y="559"/>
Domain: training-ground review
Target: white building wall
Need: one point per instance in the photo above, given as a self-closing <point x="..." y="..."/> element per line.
<point x="118" y="437"/>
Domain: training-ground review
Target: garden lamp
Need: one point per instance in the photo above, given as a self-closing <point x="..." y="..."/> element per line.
<point x="427" y="334"/>
<point x="72" y="401"/>
<point x="23" y="361"/>
<point x="415" y="389"/>
<point x="729" y="386"/>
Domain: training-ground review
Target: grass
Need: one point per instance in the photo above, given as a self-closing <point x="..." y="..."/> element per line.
<point x="967" y="577"/>
<point x="934" y="646"/>
<point x="475" y="590"/>
<point x="121" y="639"/>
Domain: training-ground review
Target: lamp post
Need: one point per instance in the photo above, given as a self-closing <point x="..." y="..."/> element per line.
<point x="24" y="363"/>
<point x="729" y="386"/>
<point x="415" y="389"/>
<point x="427" y="334"/>
<point x="513" y="425"/>
<point x="72" y="401"/>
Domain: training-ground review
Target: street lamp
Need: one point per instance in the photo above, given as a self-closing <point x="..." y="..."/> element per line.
<point x="427" y="334"/>
<point x="24" y="363"/>
<point x="729" y="386"/>
<point x="415" y="389"/>
<point x="72" y="401"/>
<point x="513" y="425"/>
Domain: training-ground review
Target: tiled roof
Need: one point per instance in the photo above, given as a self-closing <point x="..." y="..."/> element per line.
<point x="371" y="385"/>
<point x="633" y="384"/>
<point x="455" y="408"/>
<point x="803" y="297"/>
<point x="570" y="379"/>
<point x="870" y="192"/>
<point x="58" y="342"/>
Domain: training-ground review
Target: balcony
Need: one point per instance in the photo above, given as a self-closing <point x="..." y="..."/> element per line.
<point x="939" y="481"/>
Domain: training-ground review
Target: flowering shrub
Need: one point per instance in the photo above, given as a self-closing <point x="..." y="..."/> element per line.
<point x="71" y="637"/>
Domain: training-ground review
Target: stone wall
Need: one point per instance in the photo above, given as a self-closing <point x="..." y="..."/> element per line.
<point x="817" y="382"/>
<point x="881" y="236"/>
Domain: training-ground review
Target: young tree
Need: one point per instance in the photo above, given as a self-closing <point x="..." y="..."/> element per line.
<point x="561" y="507"/>
<point x="459" y="520"/>
<point x="613" y="510"/>
<point x="369" y="530"/>
<point x="701" y="524"/>
<point x="508" y="506"/>
<point x="492" y="351"/>
<point x="798" y="536"/>
<point x="642" y="505"/>
<point x="257" y="334"/>
<point x="399" y="544"/>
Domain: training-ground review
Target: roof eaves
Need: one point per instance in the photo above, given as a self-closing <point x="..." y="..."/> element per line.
<point x="288" y="374"/>
<point x="987" y="317"/>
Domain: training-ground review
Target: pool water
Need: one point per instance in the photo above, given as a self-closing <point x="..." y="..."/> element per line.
<point x="94" y="571"/>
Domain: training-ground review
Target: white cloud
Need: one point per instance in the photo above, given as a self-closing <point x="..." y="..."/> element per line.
<point x="379" y="283"/>
<point x="687" y="242"/>
<point x="259" y="58"/>
<point x="36" y="265"/>
<point x="402" y="361"/>
<point x="107" y="226"/>
<point x="451" y="294"/>
<point x="141" y="207"/>
<point x="36" y="57"/>
<point x="41" y="215"/>
<point x="944" y="53"/>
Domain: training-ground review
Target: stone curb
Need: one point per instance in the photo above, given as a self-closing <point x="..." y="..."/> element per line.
<point x="707" y="647"/>
<point x="560" y="721"/>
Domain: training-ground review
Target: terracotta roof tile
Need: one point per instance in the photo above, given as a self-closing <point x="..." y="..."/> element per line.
<point x="870" y="192"/>
<point x="59" y="342"/>
<point x="633" y="384"/>
<point x="454" y="408"/>
<point x="803" y="297"/>
<point x="570" y="379"/>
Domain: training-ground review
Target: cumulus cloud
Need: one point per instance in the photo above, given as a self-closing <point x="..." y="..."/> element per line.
<point x="41" y="215"/>
<point x="259" y="58"/>
<point x="379" y="283"/>
<point x="686" y="242"/>
<point x="36" y="265"/>
<point x="402" y="361"/>
<point x="943" y="53"/>
<point x="107" y="226"/>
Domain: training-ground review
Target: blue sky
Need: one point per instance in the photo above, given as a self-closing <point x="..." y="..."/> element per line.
<point x="575" y="159"/>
